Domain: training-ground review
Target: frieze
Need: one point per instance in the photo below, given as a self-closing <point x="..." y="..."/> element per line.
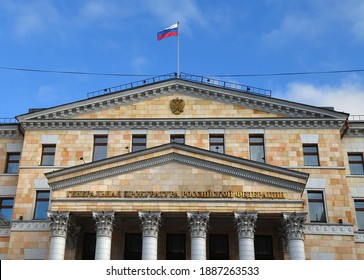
<point x="5" y="231"/>
<point x="30" y="225"/>
<point x="329" y="229"/>
<point x="359" y="236"/>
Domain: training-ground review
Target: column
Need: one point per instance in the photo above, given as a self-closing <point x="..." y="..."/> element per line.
<point x="59" y="226"/>
<point x="150" y="222"/>
<point x="245" y="226"/>
<point x="198" y="224"/>
<point x="293" y="231"/>
<point x="104" y="226"/>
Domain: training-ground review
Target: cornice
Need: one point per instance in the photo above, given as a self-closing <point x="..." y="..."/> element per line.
<point x="192" y="123"/>
<point x="31" y="225"/>
<point x="329" y="229"/>
<point x="10" y="131"/>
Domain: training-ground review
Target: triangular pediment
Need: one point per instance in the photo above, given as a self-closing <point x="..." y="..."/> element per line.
<point x="202" y="100"/>
<point x="182" y="155"/>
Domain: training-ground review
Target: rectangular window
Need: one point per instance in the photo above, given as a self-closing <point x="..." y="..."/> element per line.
<point x="6" y="208"/>
<point x="48" y="153"/>
<point x="359" y="210"/>
<point x="256" y="146"/>
<point x="311" y="155"/>
<point x="133" y="246"/>
<point x="316" y="206"/>
<point x="89" y="246"/>
<point x="100" y="147"/>
<point x="219" y="247"/>
<point x="139" y="142"/>
<point x="41" y="205"/>
<point x="217" y="143"/>
<point x="176" y="247"/>
<point x="263" y="247"/>
<point x="356" y="164"/>
<point x="178" y="138"/>
<point x="12" y="163"/>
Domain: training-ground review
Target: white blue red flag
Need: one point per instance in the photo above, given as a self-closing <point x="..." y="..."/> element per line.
<point x="168" y="32"/>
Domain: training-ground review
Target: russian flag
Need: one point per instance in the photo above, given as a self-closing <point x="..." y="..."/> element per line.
<point x="168" y="32"/>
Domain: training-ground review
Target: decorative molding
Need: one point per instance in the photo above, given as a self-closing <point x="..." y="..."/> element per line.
<point x="58" y="223"/>
<point x="183" y="159"/>
<point x="150" y="223"/>
<point x="5" y="231"/>
<point x="293" y="225"/>
<point x="245" y="224"/>
<point x="198" y="223"/>
<point x="359" y="236"/>
<point x="104" y="222"/>
<point x="31" y="225"/>
<point x="328" y="229"/>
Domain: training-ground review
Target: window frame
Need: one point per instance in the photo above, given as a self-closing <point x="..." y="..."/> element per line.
<point x="179" y="238"/>
<point x="351" y="162"/>
<point x="7" y="206"/>
<point x="360" y="210"/>
<point x="217" y="144"/>
<point x="323" y="202"/>
<point x="44" y="146"/>
<point x="37" y="200"/>
<point x="133" y="254"/>
<point x="214" y="255"/>
<point x="135" y="145"/>
<point x="9" y="161"/>
<point x="258" y="144"/>
<point x="177" y="136"/>
<point x="100" y="136"/>
<point x="311" y="154"/>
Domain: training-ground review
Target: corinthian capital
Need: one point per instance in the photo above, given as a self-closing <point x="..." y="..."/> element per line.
<point x="59" y="223"/>
<point x="150" y="222"/>
<point x="245" y="224"/>
<point x="104" y="222"/>
<point x="198" y="223"/>
<point x="293" y="225"/>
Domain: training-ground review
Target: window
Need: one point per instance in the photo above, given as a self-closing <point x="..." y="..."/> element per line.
<point x="316" y="206"/>
<point x="12" y="163"/>
<point x="359" y="209"/>
<point x="356" y="164"/>
<point x="133" y="246"/>
<point x="256" y="146"/>
<point x="6" y="208"/>
<point x="178" y="138"/>
<point x="139" y="142"/>
<point x="89" y="246"/>
<point x="48" y="153"/>
<point x="41" y="205"/>
<point x="219" y="246"/>
<point x="310" y="155"/>
<point x="100" y="147"/>
<point x="217" y="143"/>
<point x="263" y="247"/>
<point x="176" y="247"/>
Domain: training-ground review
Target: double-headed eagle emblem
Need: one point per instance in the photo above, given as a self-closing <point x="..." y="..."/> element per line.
<point x="177" y="105"/>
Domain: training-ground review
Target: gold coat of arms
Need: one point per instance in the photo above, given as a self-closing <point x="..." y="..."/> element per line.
<point x="177" y="105"/>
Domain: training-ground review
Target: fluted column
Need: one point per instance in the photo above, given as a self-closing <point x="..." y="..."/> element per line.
<point x="59" y="227"/>
<point x="150" y="222"/>
<point x="198" y="224"/>
<point x="104" y="227"/>
<point x="293" y="225"/>
<point x="245" y="226"/>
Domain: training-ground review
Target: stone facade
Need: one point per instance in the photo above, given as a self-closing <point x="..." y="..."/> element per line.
<point x="181" y="180"/>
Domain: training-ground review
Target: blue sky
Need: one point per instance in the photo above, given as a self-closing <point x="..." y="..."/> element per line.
<point x="238" y="37"/>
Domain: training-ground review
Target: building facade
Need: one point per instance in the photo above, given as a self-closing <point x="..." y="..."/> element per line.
<point x="182" y="168"/>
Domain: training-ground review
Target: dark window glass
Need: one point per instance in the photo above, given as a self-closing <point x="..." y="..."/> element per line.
<point x="139" y="142"/>
<point x="41" y="205"/>
<point x="263" y="247"/>
<point x="316" y="206"/>
<point x="133" y="246"/>
<point x="178" y="138"/>
<point x="100" y="147"/>
<point x="310" y="155"/>
<point x="356" y="164"/>
<point x="359" y="209"/>
<point x="219" y="247"/>
<point x="48" y="153"/>
<point x="12" y="163"/>
<point x="176" y="247"/>
<point x="89" y="246"/>
<point x="6" y="208"/>
<point x="256" y="146"/>
<point x="217" y="143"/>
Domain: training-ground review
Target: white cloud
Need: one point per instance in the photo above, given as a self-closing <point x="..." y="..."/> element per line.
<point x="348" y="97"/>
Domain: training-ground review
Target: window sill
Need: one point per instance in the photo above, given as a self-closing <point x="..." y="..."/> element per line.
<point x="355" y="176"/>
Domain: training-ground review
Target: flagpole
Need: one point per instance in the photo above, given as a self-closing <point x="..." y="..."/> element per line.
<point x="178" y="73"/>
